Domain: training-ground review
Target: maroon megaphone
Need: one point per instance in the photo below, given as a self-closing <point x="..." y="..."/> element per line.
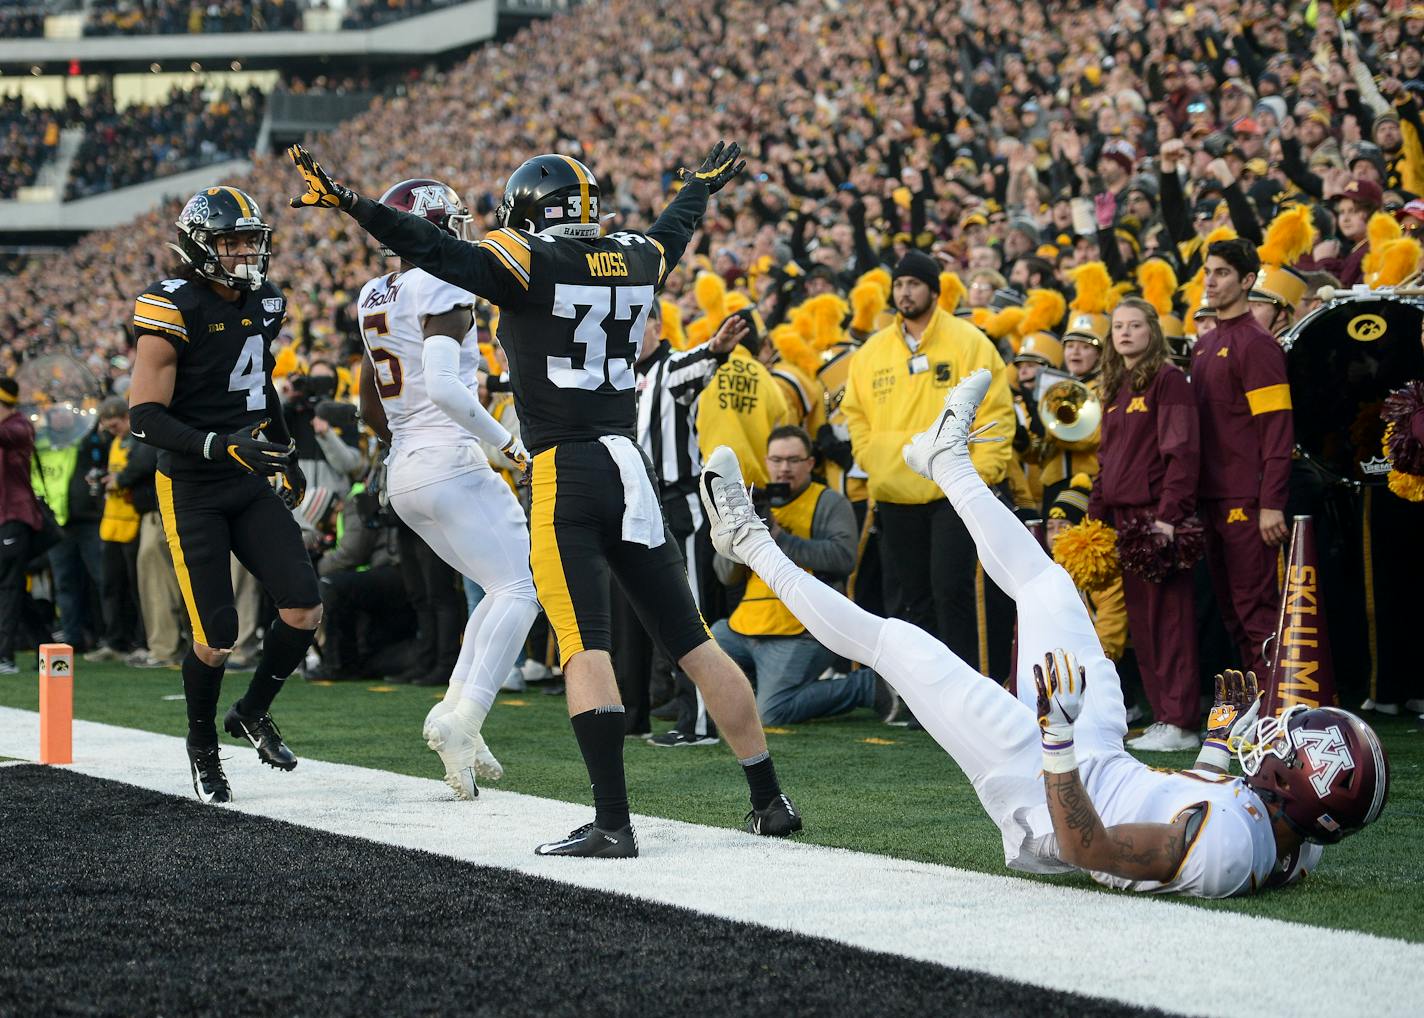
<point x="1302" y="670"/>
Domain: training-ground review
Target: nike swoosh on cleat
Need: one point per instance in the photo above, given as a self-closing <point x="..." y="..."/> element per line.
<point x="138" y="434"/>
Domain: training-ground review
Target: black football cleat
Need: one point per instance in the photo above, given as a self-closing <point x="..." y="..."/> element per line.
<point x="778" y="820"/>
<point x="209" y="781"/>
<point x="262" y="733"/>
<point x="592" y="842"/>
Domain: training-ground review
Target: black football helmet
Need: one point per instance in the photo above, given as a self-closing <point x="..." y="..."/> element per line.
<point x="222" y="211"/>
<point x="551" y="194"/>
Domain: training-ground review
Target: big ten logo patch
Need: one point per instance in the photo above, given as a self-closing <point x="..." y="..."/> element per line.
<point x="737" y="385"/>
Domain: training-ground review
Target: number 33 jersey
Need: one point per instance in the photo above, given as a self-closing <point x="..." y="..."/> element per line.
<point x="224" y="358"/>
<point x="391" y="311"/>
<point x="572" y="317"/>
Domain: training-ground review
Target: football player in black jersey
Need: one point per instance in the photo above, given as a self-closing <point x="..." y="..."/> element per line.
<point x="202" y="394"/>
<point x="573" y="305"/>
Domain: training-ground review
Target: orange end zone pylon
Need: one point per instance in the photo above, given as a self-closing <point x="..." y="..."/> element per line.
<point x="56" y="703"/>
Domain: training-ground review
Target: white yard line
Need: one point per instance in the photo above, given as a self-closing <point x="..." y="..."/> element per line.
<point x="1138" y="950"/>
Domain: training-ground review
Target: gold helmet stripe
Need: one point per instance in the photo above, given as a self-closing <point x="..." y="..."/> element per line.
<point x="583" y="187"/>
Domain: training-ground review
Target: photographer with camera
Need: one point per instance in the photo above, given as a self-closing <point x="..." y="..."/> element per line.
<point x="327" y="435"/>
<point x="815" y="527"/>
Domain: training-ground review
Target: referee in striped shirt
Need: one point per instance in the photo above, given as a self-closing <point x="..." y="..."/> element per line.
<point x="668" y="383"/>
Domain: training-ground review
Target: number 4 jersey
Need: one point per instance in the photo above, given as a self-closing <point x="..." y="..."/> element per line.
<point x="224" y="359"/>
<point x="572" y="311"/>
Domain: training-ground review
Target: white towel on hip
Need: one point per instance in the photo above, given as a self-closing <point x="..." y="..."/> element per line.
<point x="642" y="513"/>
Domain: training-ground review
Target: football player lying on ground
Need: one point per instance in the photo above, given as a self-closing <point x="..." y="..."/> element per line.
<point x="1063" y="791"/>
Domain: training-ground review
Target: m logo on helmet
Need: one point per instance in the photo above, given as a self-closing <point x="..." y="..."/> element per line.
<point x="427" y="197"/>
<point x="1327" y="753"/>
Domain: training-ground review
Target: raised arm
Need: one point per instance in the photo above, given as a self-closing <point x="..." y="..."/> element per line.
<point x="674" y="228"/>
<point x="487" y="268"/>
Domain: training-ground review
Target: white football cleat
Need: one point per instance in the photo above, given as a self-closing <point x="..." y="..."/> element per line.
<point x="729" y="507"/>
<point x="951" y="431"/>
<point x="456" y="746"/>
<point x="486" y="766"/>
<point x="1165" y="738"/>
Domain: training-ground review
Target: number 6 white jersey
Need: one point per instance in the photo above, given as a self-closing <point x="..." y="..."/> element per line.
<point x="390" y="311"/>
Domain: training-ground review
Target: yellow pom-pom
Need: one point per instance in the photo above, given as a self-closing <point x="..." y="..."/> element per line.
<point x="672" y="330"/>
<point x="1092" y="288"/>
<point x="1290" y="236"/>
<point x="1043" y="311"/>
<point x="951" y="291"/>
<point x="1088" y="552"/>
<point x="868" y="300"/>
<point x="1159" y="284"/>
<point x="710" y="291"/>
<point x="880" y="278"/>
<point x="794" y="349"/>
<point x="1409" y="487"/>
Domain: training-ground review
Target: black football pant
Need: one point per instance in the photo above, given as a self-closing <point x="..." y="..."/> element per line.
<point x="363" y="611"/>
<point x="123" y="625"/>
<point x="436" y="593"/>
<point x="932" y="579"/>
<point x="209" y="520"/>
<point x="16" y="539"/>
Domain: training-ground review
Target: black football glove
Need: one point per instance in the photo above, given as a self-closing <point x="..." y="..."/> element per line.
<point x="720" y="166"/>
<point x="252" y="452"/>
<point x="291" y="485"/>
<point x="322" y="191"/>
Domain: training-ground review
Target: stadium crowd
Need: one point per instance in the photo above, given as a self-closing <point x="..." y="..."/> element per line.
<point x="27" y="140"/>
<point x="189" y="128"/>
<point x="1002" y="175"/>
<point x="181" y="17"/>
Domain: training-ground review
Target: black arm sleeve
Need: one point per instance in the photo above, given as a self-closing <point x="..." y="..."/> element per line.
<point x="865" y="257"/>
<point x="1111" y="256"/>
<point x="675" y="227"/>
<point x="277" y="430"/>
<point x="1296" y="170"/>
<point x="154" y="425"/>
<point x="1242" y="215"/>
<point x="1175" y="214"/>
<point x="425" y="245"/>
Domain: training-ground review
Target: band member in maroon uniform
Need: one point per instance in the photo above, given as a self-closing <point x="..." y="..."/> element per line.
<point x="1244" y="406"/>
<point x="1147" y="473"/>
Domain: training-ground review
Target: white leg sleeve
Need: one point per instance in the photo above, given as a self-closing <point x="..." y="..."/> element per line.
<point x="1010" y="554"/>
<point x="972" y="717"/>
<point x="475" y="525"/>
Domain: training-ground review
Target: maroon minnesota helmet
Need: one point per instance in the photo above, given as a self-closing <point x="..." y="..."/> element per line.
<point x="1320" y="768"/>
<point x="430" y="199"/>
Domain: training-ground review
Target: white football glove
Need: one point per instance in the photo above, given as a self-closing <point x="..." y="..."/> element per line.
<point x="1061" y="684"/>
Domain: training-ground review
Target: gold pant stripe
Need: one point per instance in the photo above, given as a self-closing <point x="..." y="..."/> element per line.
<point x="175" y="545"/>
<point x="545" y="562"/>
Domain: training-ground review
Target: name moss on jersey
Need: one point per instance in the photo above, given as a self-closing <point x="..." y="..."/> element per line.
<point x="391" y="311"/>
<point x="572" y="317"/>
<point x="224" y="357"/>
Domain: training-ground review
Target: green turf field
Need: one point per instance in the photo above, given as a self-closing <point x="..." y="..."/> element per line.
<point x="860" y="784"/>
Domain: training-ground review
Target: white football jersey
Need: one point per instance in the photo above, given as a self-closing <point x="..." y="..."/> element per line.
<point x="1232" y="849"/>
<point x="390" y="311"/>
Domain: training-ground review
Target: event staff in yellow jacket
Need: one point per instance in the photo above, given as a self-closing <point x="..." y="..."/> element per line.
<point x="740" y="407"/>
<point x="898" y="381"/>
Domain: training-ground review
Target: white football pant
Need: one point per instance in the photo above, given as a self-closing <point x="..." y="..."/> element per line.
<point x="993" y="737"/>
<point x="474" y="523"/>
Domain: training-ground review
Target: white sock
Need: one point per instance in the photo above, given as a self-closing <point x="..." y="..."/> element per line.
<point x="470" y="714"/>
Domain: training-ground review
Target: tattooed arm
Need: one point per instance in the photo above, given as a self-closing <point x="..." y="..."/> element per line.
<point x="1130" y="851"/>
